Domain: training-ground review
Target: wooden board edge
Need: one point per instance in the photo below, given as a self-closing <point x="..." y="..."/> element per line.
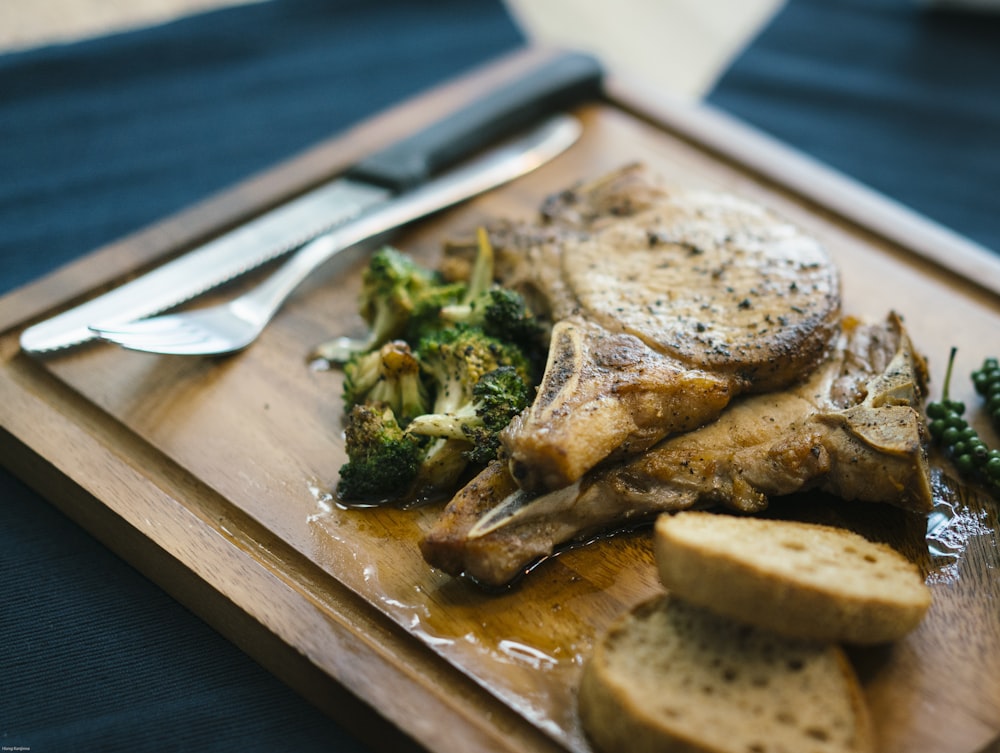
<point x="826" y="188"/>
<point x="325" y="642"/>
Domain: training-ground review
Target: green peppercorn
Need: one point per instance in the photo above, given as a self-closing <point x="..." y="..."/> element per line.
<point x="936" y="411"/>
<point x="948" y="428"/>
<point x="965" y="465"/>
<point x="986" y="380"/>
<point x="950" y="436"/>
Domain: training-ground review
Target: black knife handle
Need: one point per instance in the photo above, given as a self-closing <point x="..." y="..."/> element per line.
<point x="558" y="83"/>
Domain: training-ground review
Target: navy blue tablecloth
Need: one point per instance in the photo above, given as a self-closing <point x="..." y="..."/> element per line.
<point x="99" y="138"/>
<point x="903" y="98"/>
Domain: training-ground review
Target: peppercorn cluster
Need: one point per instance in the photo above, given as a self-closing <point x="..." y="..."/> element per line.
<point x="970" y="454"/>
<point x="987" y="383"/>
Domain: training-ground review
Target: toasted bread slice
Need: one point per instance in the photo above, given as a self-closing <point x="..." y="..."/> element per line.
<point x="799" y="579"/>
<point x="673" y="676"/>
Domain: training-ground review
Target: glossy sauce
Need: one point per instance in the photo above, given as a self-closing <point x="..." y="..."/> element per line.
<point x="961" y="516"/>
<point x="526" y="643"/>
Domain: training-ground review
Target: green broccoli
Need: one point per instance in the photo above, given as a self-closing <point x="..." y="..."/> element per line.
<point x="425" y="318"/>
<point x="383" y="461"/>
<point x="502" y="313"/>
<point x="442" y="468"/>
<point x="388" y="287"/>
<point x="389" y="375"/>
<point x="390" y="284"/>
<point x="456" y="359"/>
<point x="483" y="268"/>
<point x="444" y="369"/>
<point x="496" y="398"/>
<point x="429" y="314"/>
<point x="387" y="463"/>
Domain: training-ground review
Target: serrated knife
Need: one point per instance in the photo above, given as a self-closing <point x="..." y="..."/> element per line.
<point x="557" y="83"/>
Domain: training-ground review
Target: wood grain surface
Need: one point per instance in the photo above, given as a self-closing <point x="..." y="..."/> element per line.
<point x="214" y="474"/>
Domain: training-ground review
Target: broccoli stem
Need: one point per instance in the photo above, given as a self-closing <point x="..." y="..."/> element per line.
<point x="481" y="278"/>
<point x="449" y="425"/>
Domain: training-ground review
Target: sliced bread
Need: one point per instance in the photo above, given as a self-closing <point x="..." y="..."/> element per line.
<point x="800" y="579"/>
<point x="671" y="676"/>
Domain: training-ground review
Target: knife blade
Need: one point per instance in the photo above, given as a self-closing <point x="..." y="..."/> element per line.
<point x="557" y="83"/>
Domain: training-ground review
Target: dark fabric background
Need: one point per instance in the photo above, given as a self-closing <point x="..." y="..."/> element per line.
<point x="905" y="99"/>
<point x="99" y="138"/>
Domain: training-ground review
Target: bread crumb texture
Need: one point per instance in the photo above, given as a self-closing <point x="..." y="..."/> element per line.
<point x="673" y="676"/>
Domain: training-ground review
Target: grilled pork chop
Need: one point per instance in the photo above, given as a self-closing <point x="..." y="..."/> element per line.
<point x="666" y="305"/>
<point x="852" y="429"/>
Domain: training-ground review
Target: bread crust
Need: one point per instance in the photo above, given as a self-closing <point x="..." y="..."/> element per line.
<point x="799" y="579"/>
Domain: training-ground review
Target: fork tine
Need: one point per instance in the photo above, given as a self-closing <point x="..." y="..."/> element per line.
<point x="167" y="337"/>
<point x="149" y="345"/>
<point x="191" y="345"/>
<point x="142" y="326"/>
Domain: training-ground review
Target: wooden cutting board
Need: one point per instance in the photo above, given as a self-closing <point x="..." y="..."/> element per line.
<point x="213" y="475"/>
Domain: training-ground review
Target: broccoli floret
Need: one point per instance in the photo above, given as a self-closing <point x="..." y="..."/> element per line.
<point x="442" y="468"/>
<point x="431" y="306"/>
<point x="390" y="286"/>
<point x="382" y="460"/>
<point x="418" y="418"/>
<point x="456" y="359"/>
<point x="425" y="318"/>
<point x="496" y="398"/>
<point x="500" y="312"/>
<point x="389" y="375"/>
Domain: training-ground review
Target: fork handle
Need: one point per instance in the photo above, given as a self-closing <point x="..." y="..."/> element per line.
<point x="493" y="168"/>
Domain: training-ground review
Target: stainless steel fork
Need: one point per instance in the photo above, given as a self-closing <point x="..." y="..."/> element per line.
<point x="232" y="326"/>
